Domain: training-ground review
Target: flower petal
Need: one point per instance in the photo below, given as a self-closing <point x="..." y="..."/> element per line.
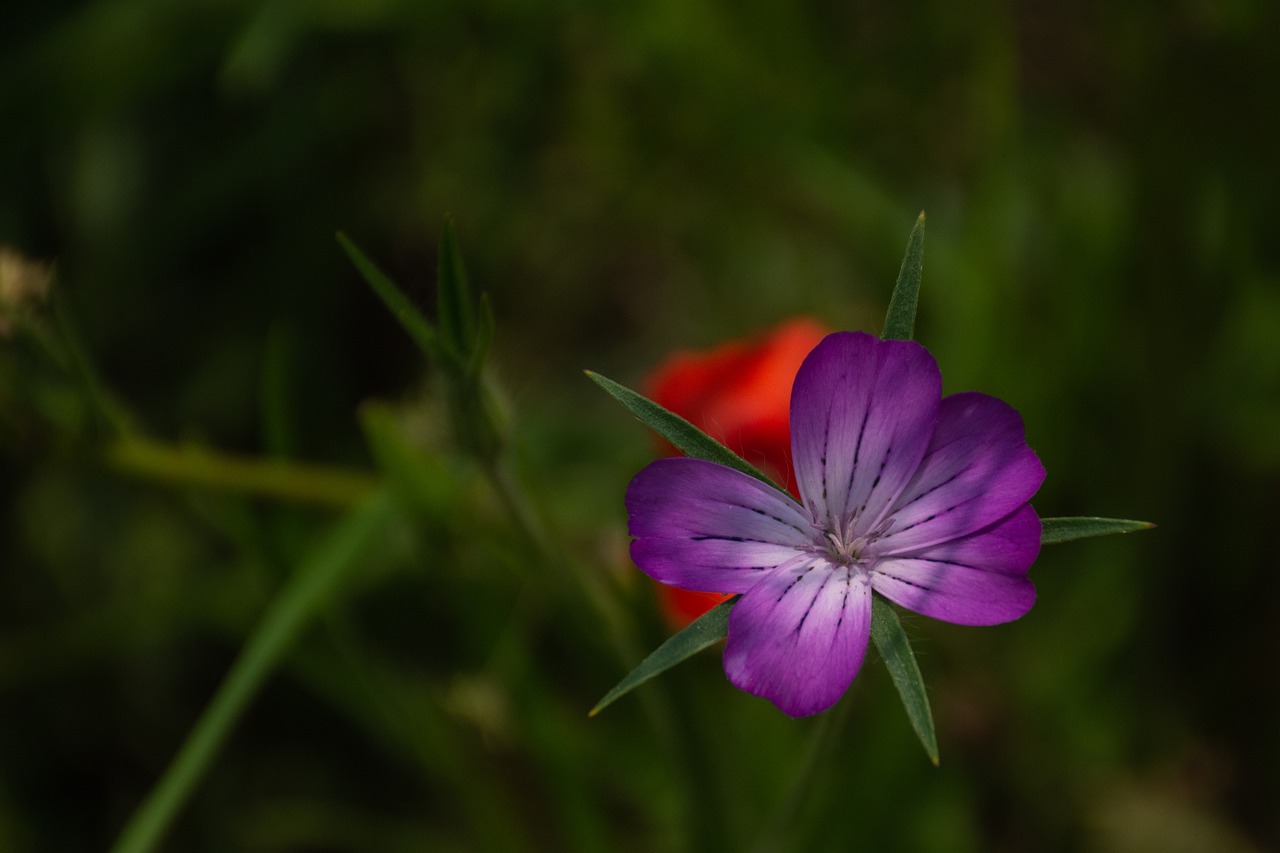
<point x="975" y="580"/>
<point x="1008" y="547"/>
<point x="703" y="526"/>
<point x="978" y="470"/>
<point x="798" y="637"/>
<point x="862" y="414"/>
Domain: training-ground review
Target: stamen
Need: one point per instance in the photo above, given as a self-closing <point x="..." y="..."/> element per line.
<point x="841" y="543"/>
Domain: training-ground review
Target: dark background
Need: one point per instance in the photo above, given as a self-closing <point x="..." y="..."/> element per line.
<point x="628" y="179"/>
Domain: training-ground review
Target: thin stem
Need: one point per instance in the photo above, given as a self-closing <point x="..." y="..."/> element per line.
<point x="192" y="465"/>
<point x="395" y="300"/>
<point x="821" y="744"/>
<point x="535" y="531"/>
<point x="521" y="511"/>
<point x="108" y="406"/>
<point x="416" y="724"/>
<point x="673" y="726"/>
<point x="290" y="613"/>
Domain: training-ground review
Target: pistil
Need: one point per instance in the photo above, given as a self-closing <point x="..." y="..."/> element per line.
<point x="843" y="546"/>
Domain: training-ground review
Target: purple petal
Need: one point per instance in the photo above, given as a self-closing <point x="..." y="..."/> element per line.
<point x="702" y="526"/>
<point x="1008" y="547"/>
<point x="978" y="470"/>
<point x="862" y="414"/>
<point x="798" y="637"/>
<point x="976" y="580"/>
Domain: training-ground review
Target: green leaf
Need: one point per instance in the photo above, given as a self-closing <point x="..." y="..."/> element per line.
<point x="900" y="321"/>
<point x="1055" y="530"/>
<point x="483" y="337"/>
<point x="395" y="300"/>
<point x="712" y="626"/>
<point x="316" y="581"/>
<point x="690" y="440"/>
<point x="891" y="641"/>
<point x="455" y="311"/>
<point x="706" y="630"/>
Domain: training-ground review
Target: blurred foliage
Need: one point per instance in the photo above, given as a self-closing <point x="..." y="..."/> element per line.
<point x="626" y="179"/>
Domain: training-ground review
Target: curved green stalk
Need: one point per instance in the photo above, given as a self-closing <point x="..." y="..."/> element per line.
<point x="672" y="722"/>
<point x="822" y="741"/>
<point x="193" y="465"/>
<point x="291" y="612"/>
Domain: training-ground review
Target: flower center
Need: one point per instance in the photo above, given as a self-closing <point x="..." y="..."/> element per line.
<point x="843" y="546"/>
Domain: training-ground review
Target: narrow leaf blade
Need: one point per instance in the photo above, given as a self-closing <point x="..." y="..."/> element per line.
<point x="293" y="610"/>
<point x="706" y="630"/>
<point x="690" y="440"/>
<point x="483" y="337"/>
<point x="454" y="309"/>
<point x="1055" y="530"/>
<point x="891" y="641"/>
<point x="900" y="321"/>
<point x="395" y="300"/>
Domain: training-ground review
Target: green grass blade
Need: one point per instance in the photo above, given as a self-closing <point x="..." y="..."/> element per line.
<point x="67" y="344"/>
<point x="202" y="467"/>
<point x="455" y="311"/>
<point x="900" y="321"/>
<point x="891" y="641"/>
<point x="483" y="336"/>
<point x="690" y="440"/>
<point x="395" y="300"/>
<point x="306" y="592"/>
<point x="1055" y="530"/>
<point x="702" y="632"/>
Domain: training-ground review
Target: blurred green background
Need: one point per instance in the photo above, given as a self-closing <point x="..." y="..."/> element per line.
<point x="630" y="178"/>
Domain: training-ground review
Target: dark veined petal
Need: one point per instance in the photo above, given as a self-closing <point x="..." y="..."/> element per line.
<point x="980" y="579"/>
<point x="799" y="636"/>
<point x="1008" y="547"/>
<point x="978" y="470"/>
<point x="862" y="415"/>
<point x="703" y="526"/>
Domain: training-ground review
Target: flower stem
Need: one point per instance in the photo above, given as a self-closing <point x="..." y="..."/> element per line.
<point x="291" y="612"/>
<point x="821" y="744"/>
<point x="64" y="346"/>
<point x="549" y="552"/>
<point x="673" y="724"/>
<point x="194" y="465"/>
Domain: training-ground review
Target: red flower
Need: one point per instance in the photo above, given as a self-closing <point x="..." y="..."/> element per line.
<point x="740" y="394"/>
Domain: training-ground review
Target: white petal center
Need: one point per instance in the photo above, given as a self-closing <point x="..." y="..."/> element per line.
<point x="840" y="542"/>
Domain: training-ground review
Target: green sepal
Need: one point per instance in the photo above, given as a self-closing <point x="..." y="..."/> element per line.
<point x="1055" y="530"/>
<point x="891" y="641"/>
<point x="455" y="312"/>
<point x="900" y="320"/>
<point x="706" y="630"/>
<point x="395" y="300"/>
<point x="687" y="438"/>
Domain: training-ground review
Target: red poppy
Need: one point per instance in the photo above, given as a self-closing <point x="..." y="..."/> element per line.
<point x="740" y="394"/>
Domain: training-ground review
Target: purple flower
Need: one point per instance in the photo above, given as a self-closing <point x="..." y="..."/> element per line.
<point x="919" y="497"/>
